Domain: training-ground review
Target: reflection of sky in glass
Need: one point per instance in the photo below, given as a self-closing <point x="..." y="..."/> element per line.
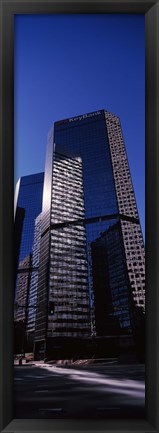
<point x="29" y="198"/>
<point x="95" y="230"/>
<point x="88" y="138"/>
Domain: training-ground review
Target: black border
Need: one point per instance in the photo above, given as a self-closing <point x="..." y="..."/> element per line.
<point x="7" y="10"/>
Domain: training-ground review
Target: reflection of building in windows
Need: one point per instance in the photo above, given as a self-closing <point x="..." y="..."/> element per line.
<point x="113" y="301"/>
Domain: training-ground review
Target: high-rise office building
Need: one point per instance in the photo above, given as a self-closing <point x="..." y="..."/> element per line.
<point x="67" y="275"/>
<point x="22" y="292"/>
<point x="68" y="260"/>
<point x="89" y="214"/>
<point x="28" y="204"/>
<point x="19" y="218"/>
<point x="32" y="296"/>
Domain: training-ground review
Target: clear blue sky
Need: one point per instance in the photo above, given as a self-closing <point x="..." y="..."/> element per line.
<point x="66" y="65"/>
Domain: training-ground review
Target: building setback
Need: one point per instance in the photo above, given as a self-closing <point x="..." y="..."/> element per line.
<point x="88" y="204"/>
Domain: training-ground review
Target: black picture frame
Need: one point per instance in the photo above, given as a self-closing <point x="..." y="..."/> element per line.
<point x="8" y="8"/>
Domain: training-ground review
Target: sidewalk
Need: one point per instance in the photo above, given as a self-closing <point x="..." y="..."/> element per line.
<point x="29" y="363"/>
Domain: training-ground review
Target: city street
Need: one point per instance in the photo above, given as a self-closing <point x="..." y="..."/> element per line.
<point x="95" y="391"/>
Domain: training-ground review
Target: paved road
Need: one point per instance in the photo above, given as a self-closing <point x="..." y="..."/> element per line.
<point x="112" y="391"/>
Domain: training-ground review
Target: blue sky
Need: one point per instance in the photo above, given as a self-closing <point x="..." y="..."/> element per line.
<point x="66" y="65"/>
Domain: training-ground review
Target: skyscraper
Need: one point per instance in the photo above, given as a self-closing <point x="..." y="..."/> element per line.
<point x="68" y="260"/>
<point x="32" y="295"/>
<point x="28" y="204"/>
<point x="89" y="212"/>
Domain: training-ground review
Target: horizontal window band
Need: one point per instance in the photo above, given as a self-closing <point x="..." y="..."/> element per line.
<point x="97" y="219"/>
<point x="85" y="221"/>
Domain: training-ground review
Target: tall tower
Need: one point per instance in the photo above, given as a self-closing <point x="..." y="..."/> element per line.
<point x="33" y="286"/>
<point x="65" y="303"/>
<point x="28" y="204"/>
<point x="89" y="215"/>
<point x="130" y="224"/>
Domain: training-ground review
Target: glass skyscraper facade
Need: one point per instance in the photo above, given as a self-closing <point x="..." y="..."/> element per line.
<point x="28" y="196"/>
<point x="91" y="246"/>
<point x="28" y="204"/>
